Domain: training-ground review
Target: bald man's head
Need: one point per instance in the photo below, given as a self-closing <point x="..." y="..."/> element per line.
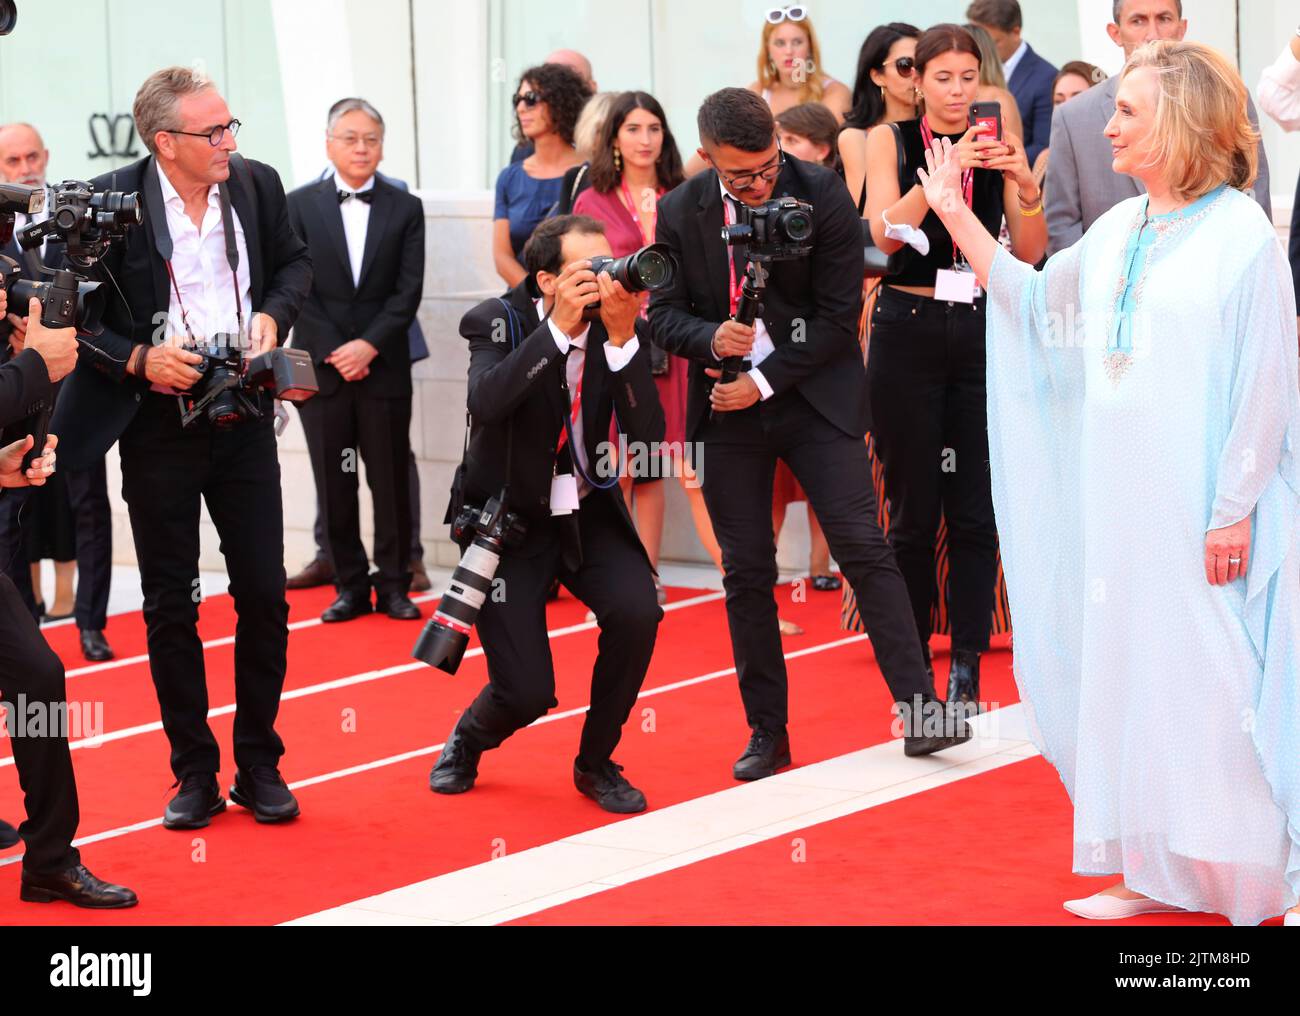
<point x="576" y="61"/>
<point x="23" y="157"/>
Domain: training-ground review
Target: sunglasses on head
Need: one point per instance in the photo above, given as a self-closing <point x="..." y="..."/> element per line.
<point x="904" y="65"/>
<point x="529" y="99"/>
<point x="778" y="14"/>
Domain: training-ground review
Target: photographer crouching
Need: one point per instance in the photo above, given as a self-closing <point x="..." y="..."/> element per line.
<point x="214" y="268"/>
<point x="545" y="376"/>
<point x="794" y="388"/>
<point x="30" y="672"/>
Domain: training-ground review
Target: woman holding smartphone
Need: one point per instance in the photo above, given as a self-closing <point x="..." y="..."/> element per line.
<point x="926" y="368"/>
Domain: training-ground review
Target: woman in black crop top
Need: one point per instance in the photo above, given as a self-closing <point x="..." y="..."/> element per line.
<point x="926" y="364"/>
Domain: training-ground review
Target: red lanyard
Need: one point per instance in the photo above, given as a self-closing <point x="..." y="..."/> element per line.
<point x="967" y="182"/>
<point x="728" y="214"/>
<point x="575" y="409"/>
<point x="636" y="220"/>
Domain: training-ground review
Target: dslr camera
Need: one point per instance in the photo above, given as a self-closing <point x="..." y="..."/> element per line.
<point x="777" y="230"/>
<point x="492" y="528"/>
<point x="226" y="392"/>
<point x="644" y="271"/>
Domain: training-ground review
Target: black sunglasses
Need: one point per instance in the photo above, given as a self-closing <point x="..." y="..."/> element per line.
<point x="529" y="99"/>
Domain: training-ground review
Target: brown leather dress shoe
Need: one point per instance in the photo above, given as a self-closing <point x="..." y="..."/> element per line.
<point x="420" y="582"/>
<point x="318" y="573"/>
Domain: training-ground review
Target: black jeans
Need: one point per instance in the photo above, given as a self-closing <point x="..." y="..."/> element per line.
<point x="925" y="370"/>
<point x="737" y="468"/>
<point x="166" y="472"/>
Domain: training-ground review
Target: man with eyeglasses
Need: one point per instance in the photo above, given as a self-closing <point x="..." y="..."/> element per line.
<point x="214" y="262"/>
<point x="366" y="238"/>
<point x="803" y="399"/>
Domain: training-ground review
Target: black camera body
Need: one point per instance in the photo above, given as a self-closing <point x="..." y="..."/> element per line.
<point x="87" y="222"/>
<point x="644" y="271"/>
<point x="225" y="391"/>
<point x="780" y="229"/>
<point x="490" y="529"/>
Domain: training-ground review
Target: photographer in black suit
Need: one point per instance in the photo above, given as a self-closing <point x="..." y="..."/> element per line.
<point x="534" y="360"/>
<point x="804" y="400"/>
<point x="31" y="675"/>
<point x="215" y="254"/>
<point x="366" y="240"/>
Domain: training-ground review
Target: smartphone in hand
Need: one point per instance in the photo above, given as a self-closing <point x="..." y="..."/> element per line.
<point x="989" y="113"/>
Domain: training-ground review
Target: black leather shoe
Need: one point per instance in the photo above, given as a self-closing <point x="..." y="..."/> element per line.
<point x="8" y="835"/>
<point x="964" y="679"/>
<point x="199" y="799"/>
<point x="78" y="886"/>
<point x="606" y="786"/>
<point x="420" y="582"/>
<point x="318" y="573"/>
<point x="262" y="790"/>
<point x="943" y="726"/>
<point x="350" y="605"/>
<point x="398" y="606"/>
<point x="457" y="766"/>
<point x="94" y="646"/>
<point x="765" y="754"/>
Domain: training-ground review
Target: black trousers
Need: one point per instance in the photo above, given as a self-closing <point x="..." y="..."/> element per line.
<point x="930" y="425"/>
<point x="614" y="580"/>
<point x="338" y="427"/>
<point x="16" y="507"/>
<point x="737" y="469"/>
<point x="417" y="547"/>
<point x="166" y="471"/>
<point x="88" y="494"/>
<point x="31" y="676"/>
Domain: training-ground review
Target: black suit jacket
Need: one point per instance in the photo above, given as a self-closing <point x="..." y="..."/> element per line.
<point x="99" y="399"/>
<point x="383" y="306"/>
<point x="518" y="393"/>
<point x="1031" y="87"/>
<point x="811" y="306"/>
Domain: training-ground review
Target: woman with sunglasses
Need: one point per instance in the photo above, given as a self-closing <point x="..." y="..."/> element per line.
<point x="925" y="371"/>
<point x="547" y="105"/>
<point x="789" y="65"/>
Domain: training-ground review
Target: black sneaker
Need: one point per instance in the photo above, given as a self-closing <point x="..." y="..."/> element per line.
<point x="198" y="800"/>
<point x="262" y="790"/>
<point x="8" y="835"/>
<point x="457" y="766"/>
<point x="606" y="786"/>
<point x="765" y="754"/>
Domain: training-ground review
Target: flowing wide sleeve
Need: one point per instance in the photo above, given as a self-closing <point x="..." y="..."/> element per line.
<point x="1035" y="375"/>
<point x="1259" y="470"/>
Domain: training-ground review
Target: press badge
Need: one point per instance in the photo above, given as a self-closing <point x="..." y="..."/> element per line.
<point x="564" y="494"/>
<point x="957" y="285"/>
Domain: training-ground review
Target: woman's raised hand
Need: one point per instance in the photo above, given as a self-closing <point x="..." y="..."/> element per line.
<point x="942" y="183"/>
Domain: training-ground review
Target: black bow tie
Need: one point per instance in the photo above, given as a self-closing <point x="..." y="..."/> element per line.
<point x="365" y="196"/>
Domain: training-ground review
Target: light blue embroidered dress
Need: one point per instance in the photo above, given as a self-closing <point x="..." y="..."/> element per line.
<point x="1142" y="390"/>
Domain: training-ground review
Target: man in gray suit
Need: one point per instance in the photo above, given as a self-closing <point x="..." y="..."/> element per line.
<point x="1081" y="186"/>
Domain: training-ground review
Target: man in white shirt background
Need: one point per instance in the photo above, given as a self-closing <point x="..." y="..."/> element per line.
<point x="1279" y="97"/>
<point x="366" y="239"/>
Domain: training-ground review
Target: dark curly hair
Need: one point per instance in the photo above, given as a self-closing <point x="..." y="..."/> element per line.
<point x="604" y="177"/>
<point x="563" y="91"/>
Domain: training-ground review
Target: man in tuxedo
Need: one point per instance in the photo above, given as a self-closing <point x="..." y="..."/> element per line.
<point x="543" y="383"/>
<point x="803" y="399"/>
<point x="23" y="160"/>
<point x="31" y="675"/>
<point x="1083" y="185"/>
<point x="366" y="240"/>
<point x="215" y="262"/>
<point x="1030" y="78"/>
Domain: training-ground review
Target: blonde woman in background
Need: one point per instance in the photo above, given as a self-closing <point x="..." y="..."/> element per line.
<point x="993" y="83"/>
<point x="586" y="136"/>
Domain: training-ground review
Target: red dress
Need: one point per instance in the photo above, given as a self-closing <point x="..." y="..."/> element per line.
<point x="624" y="235"/>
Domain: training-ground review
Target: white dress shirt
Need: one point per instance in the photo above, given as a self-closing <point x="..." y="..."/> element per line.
<point x="763" y="346"/>
<point x="1279" y="90"/>
<point x="356" y="221"/>
<point x="1013" y="61"/>
<point x="615" y="356"/>
<point x="203" y="276"/>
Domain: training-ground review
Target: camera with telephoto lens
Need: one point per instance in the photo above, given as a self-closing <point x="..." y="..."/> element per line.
<point x="228" y="383"/>
<point x="649" y="269"/>
<point x="493" y="528"/>
<point x="8" y="16"/>
<point x="777" y="230"/>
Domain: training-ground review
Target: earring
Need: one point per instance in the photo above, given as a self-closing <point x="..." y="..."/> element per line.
<point x="618" y="161"/>
<point x="882" y="95"/>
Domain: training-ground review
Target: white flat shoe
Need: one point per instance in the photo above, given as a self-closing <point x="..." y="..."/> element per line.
<point x="1291" y="921"/>
<point x="1111" y="908"/>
